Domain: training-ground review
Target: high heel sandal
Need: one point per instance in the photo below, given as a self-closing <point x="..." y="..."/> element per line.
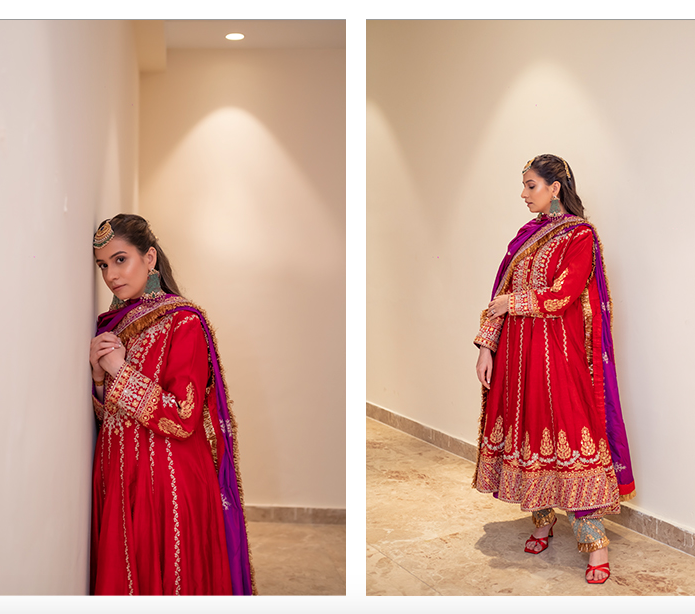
<point x="543" y="541"/>
<point x="603" y="567"/>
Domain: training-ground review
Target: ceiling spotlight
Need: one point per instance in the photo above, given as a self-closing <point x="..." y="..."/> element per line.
<point x="234" y="36"/>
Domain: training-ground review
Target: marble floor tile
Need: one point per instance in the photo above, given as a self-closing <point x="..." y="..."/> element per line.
<point x="430" y="533"/>
<point x="298" y="559"/>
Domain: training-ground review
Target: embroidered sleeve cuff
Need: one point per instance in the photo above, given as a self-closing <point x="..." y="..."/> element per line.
<point x="489" y="334"/>
<point x="481" y="341"/>
<point x="524" y="304"/>
<point x="135" y="393"/>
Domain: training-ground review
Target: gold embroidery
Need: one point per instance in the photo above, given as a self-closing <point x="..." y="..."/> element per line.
<point x="508" y="442"/>
<point x="526" y="448"/>
<point x="210" y="434"/>
<point x="588" y="447"/>
<point x="189" y="318"/>
<point x="534" y="243"/>
<point x="587" y="547"/>
<point x="563" y="448"/>
<point x="125" y="532"/>
<point x="592" y="488"/>
<point x="151" y="449"/>
<point x="588" y="330"/>
<point x="546" y="443"/>
<point x="547" y="370"/>
<point x="524" y="303"/>
<point x="556" y="304"/>
<point x="604" y="453"/>
<point x="185" y="408"/>
<point x="177" y="531"/>
<point x="171" y="428"/>
<point x="497" y="433"/>
<point x="136" y="394"/>
<point x="490" y="329"/>
<point x="543" y="517"/>
<point x="557" y="286"/>
<point x="146" y="314"/>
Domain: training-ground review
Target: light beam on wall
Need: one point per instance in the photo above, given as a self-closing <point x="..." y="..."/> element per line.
<point x="234" y="36"/>
<point x="249" y="202"/>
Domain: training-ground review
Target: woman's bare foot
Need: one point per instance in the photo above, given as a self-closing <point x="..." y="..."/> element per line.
<point x="598" y="557"/>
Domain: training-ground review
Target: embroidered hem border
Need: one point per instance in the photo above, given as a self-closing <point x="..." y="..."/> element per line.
<point x="533" y="492"/>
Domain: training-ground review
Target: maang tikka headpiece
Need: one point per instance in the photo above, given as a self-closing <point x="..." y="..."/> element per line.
<point x="103" y="235"/>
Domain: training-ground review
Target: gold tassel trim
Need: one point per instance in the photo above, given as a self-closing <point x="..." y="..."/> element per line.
<point x="235" y="439"/>
<point x="593" y="546"/>
<point x="481" y="430"/>
<point x="628" y="496"/>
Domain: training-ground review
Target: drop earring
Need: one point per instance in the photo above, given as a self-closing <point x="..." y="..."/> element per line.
<point x="555" y="207"/>
<point x="153" y="286"/>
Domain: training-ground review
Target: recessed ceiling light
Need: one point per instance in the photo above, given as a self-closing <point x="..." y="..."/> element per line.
<point x="234" y="36"/>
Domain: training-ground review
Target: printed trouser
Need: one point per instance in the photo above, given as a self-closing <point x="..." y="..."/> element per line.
<point x="589" y="532"/>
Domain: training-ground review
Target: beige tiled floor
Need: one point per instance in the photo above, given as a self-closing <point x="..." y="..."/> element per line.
<point x="298" y="559"/>
<point x="430" y="533"/>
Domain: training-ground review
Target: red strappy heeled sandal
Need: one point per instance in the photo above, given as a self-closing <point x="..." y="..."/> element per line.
<point x="603" y="567"/>
<point x="543" y="541"/>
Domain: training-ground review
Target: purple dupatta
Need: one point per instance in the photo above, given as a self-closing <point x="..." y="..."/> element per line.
<point x="528" y="235"/>
<point x="232" y="507"/>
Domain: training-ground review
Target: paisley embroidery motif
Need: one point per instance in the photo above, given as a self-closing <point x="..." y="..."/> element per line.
<point x="526" y="449"/>
<point x="497" y="433"/>
<point x="563" y="448"/>
<point x="557" y="285"/>
<point x="556" y="304"/>
<point x="588" y="447"/>
<point x="546" y="443"/>
<point x="185" y="408"/>
<point x="171" y="428"/>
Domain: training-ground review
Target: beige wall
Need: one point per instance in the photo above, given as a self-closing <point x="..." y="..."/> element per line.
<point x="68" y="128"/>
<point x="243" y="180"/>
<point x="455" y="109"/>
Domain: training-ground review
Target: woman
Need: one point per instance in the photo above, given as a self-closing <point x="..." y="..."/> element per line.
<point x="551" y="432"/>
<point x="167" y="513"/>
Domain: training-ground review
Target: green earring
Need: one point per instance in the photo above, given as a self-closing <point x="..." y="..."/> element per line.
<point x="116" y="303"/>
<point x="153" y="286"/>
<point x="555" y="206"/>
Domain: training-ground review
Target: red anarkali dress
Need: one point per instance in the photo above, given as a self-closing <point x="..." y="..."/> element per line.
<point x="157" y="520"/>
<point x="543" y="440"/>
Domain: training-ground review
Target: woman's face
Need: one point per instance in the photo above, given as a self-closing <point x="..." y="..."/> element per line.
<point x="124" y="269"/>
<point x="537" y="193"/>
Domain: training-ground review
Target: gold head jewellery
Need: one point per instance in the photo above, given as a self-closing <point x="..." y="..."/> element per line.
<point x="530" y="162"/>
<point x="103" y="235"/>
<point x="528" y="165"/>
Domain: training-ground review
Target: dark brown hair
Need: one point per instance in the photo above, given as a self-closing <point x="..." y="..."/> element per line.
<point x="553" y="168"/>
<point x="136" y="231"/>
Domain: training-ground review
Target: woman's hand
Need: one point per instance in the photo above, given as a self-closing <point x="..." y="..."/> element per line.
<point x="498" y="306"/>
<point x="483" y="368"/>
<point x="106" y="353"/>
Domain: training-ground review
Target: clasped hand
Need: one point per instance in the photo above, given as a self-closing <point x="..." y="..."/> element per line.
<point x="106" y="353"/>
<point x="498" y="306"/>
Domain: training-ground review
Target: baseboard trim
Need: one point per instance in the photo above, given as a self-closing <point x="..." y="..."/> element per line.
<point x="299" y="515"/>
<point x="630" y="518"/>
<point x="425" y="433"/>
